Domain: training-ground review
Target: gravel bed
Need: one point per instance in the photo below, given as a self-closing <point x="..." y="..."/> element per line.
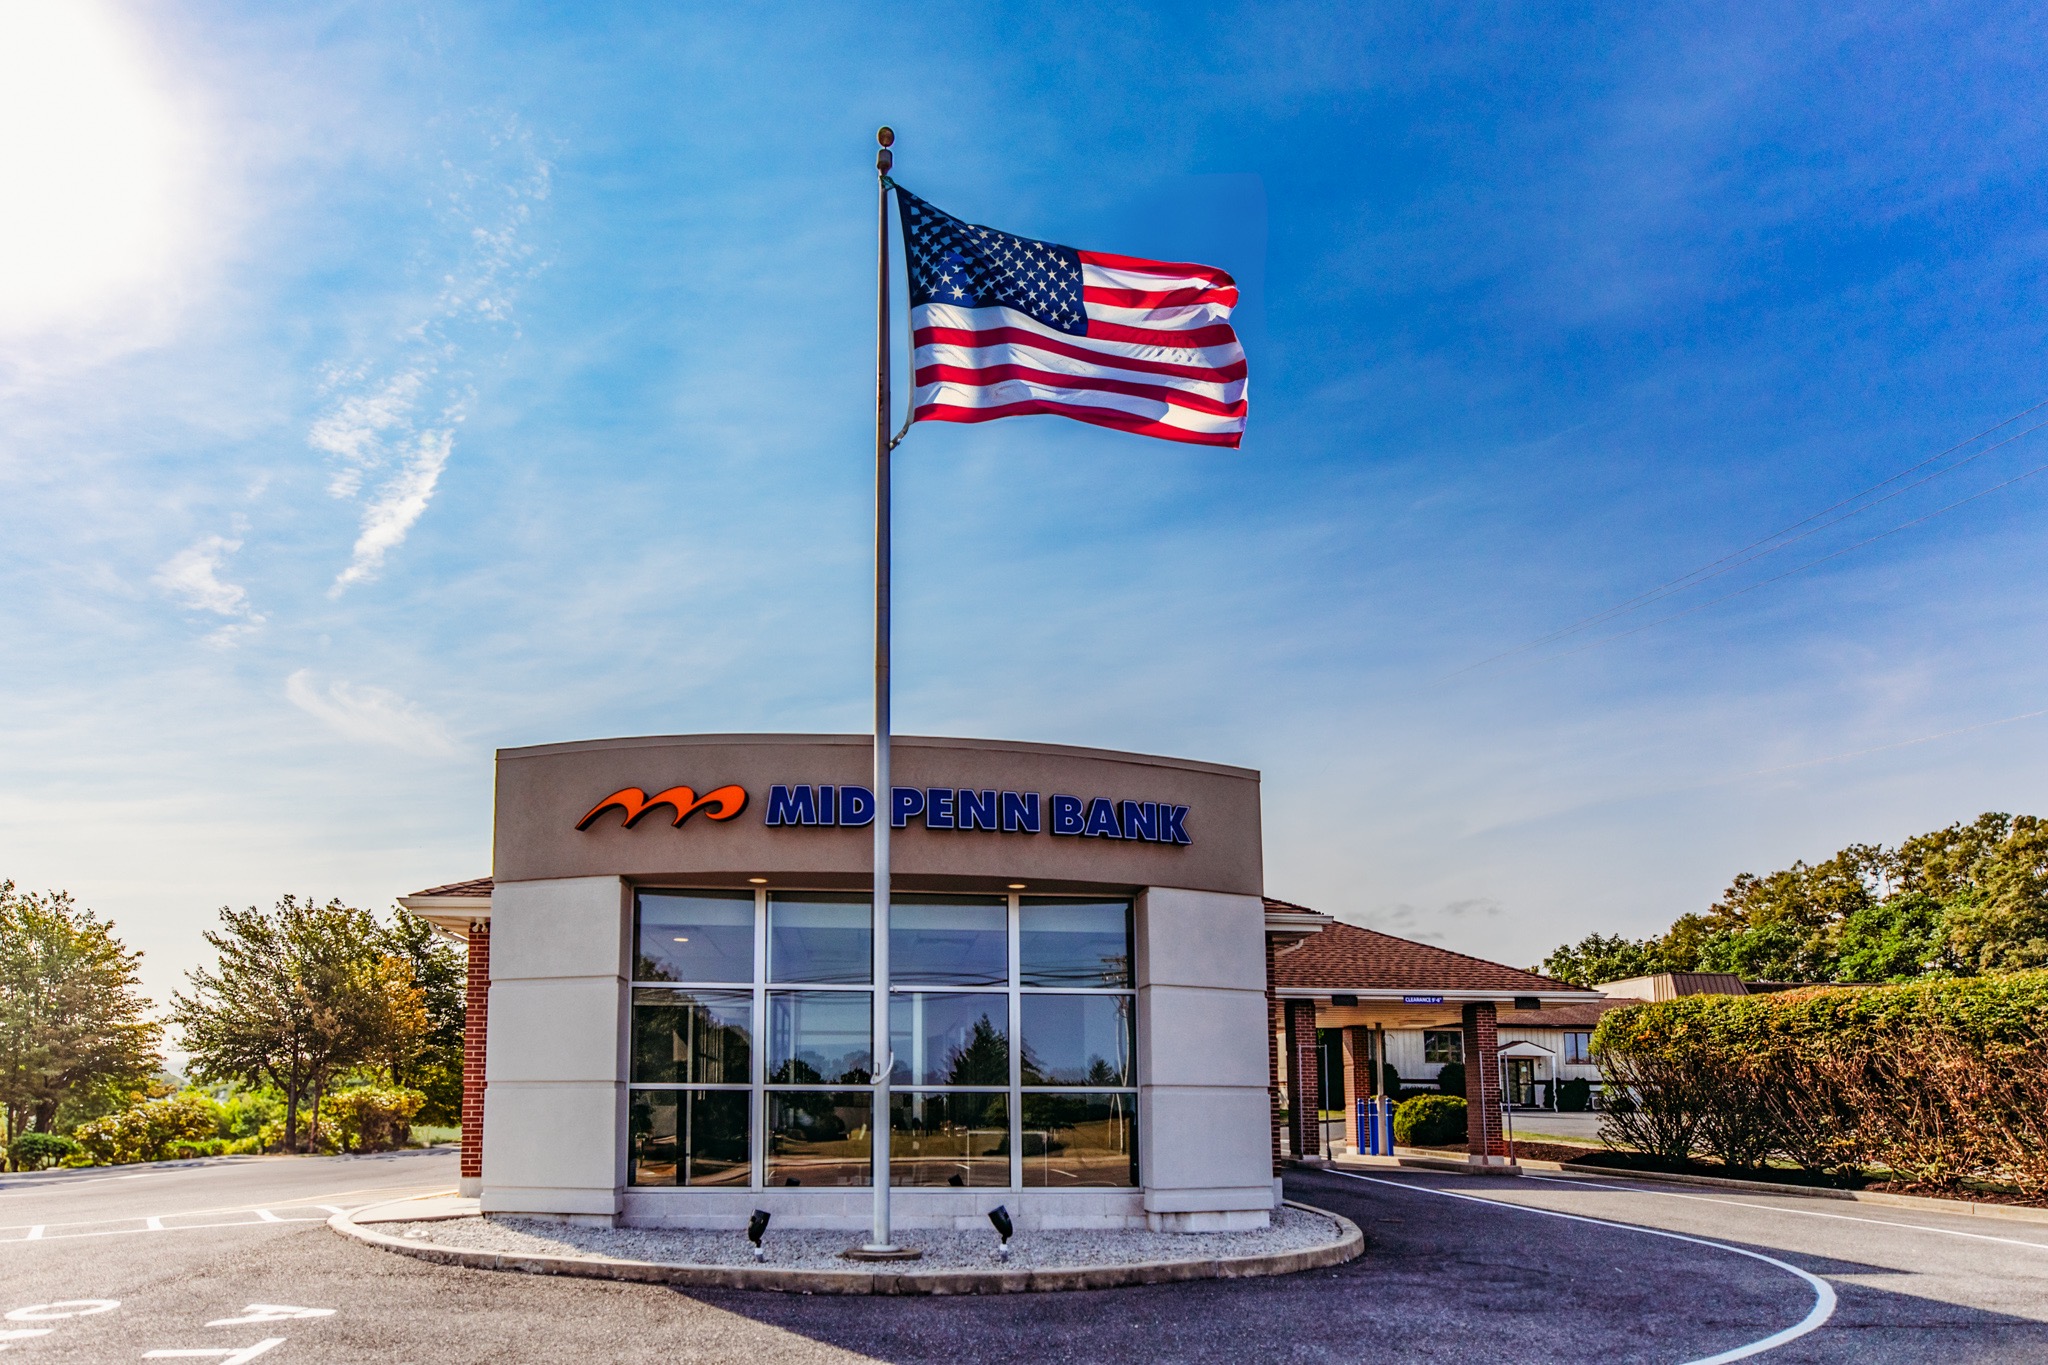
<point x="1292" y="1230"/>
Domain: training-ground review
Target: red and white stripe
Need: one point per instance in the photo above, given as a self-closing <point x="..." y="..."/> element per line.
<point x="1159" y="359"/>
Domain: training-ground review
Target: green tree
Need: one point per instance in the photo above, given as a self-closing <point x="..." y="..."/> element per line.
<point x="1603" y="957"/>
<point x="442" y="976"/>
<point x="301" y="995"/>
<point x="71" y="1018"/>
<point x="1897" y="939"/>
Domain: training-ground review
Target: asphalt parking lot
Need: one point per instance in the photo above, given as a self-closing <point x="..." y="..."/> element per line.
<point x="232" y="1261"/>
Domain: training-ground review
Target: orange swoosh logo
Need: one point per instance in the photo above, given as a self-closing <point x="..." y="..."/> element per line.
<point x="722" y="804"/>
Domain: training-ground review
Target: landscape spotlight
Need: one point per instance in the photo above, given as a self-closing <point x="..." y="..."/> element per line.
<point x="1000" y="1217"/>
<point x="757" y="1225"/>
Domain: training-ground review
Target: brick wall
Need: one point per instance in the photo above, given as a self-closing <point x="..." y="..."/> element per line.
<point x="1361" y="1081"/>
<point x="1304" y="1084"/>
<point x="476" y="1001"/>
<point x="1482" y="1081"/>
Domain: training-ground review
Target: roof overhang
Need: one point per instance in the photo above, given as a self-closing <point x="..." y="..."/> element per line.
<point x="1522" y="1047"/>
<point x="452" y="915"/>
<point x="1407" y="995"/>
<point x="1295" y="924"/>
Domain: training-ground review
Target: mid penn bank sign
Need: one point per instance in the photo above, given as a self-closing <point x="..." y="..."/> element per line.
<point x="936" y="808"/>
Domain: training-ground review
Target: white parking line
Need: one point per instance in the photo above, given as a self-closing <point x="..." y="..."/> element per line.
<point x="1823" y="1293"/>
<point x="1804" y="1213"/>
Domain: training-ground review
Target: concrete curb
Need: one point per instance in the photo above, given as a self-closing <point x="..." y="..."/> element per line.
<point x="2017" y="1213"/>
<point x="1349" y="1245"/>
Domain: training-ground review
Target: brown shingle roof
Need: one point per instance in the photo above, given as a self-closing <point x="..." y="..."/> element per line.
<point x="1561" y="1016"/>
<point x="1345" y="957"/>
<point x="475" y="886"/>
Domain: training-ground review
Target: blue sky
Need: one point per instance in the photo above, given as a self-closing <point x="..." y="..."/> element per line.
<point x="381" y="385"/>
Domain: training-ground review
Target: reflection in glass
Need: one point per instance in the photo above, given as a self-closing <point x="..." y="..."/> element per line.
<point x="950" y="940"/>
<point x="1074" y="943"/>
<point x="942" y="1139"/>
<point x="819" y="1037"/>
<point x="819" y="1137"/>
<point x="688" y="1137"/>
<point x="950" y="1039"/>
<point x="821" y="937"/>
<point x="1077" y="1040"/>
<point x="1080" y="1139"/>
<point x="692" y="1037"/>
<point x="694" y="936"/>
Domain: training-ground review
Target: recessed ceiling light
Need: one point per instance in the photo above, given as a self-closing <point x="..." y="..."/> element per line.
<point x="758" y="881"/>
<point x="680" y="939"/>
<point x="1016" y="886"/>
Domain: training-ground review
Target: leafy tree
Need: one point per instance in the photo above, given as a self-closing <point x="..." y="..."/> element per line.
<point x="302" y="994"/>
<point x="442" y="977"/>
<point x="71" y="1019"/>
<point x="1967" y="899"/>
<point x="1603" y="957"/>
<point x="1898" y="939"/>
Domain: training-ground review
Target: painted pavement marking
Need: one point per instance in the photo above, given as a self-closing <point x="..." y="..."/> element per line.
<point x="1823" y="1292"/>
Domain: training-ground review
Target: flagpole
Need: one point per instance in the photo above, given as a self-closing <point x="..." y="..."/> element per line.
<point x="884" y="1059"/>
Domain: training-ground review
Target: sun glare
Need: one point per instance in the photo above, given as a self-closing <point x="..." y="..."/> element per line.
<point x="97" y="170"/>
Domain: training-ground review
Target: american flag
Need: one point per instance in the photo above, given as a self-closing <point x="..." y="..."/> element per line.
<point x="1006" y="326"/>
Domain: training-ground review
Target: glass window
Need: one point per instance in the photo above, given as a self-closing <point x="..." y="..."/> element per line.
<point x="950" y="940"/>
<point x="820" y="1037"/>
<point x="692" y="1037"/>
<point x="950" y="1039"/>
<point x="694" y="936"/>
<point x="1080" y="1139"/>
<point x="1578" y="1048"/>
<point x="819" y="1137"/>
<point x="1443" y="1045"/>
<point x="949" y="1139"/>
<point x="689" y="1137"/>
<point x="821" y="937"/>
<point x="1074" y="942"/>
<point x="1077" y="1040"/>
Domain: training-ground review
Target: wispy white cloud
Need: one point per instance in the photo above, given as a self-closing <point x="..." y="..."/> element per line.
<point x="369" y="715"/>
<point x="389" y="428"/>
<point x="192" y="577"/>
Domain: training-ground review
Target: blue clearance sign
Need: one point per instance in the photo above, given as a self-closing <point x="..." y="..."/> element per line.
<point x="1000" y="812"/>
<point x="939" y="808"/>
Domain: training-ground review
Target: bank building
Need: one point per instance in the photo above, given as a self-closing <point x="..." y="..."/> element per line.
<point x="1098" y="1018"/>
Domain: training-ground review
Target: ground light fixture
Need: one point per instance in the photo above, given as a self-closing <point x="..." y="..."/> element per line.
<point x="999" y="1216"/>
<point x="756" y="1226"/>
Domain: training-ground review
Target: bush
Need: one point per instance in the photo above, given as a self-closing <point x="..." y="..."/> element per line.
<point x="1941" y="1082"/>
<point x="1574" y="1096"/>
<point x="1429" y="1121"/>
<point x="369" y="1118"/>
<point x="1451" y="1080"/>
<point x="37" y="1151"/>
<point x="150" y="1132"/>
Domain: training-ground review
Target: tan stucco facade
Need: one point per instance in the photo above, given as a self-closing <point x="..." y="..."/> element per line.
<point x="561" y="915"/>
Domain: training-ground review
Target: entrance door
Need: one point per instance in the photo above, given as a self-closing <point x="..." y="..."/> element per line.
<point x="1520" y="1081"/>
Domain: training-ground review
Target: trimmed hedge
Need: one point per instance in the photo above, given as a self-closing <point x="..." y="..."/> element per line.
<point x="38" y="1151"/>
<point x="1940" y="1082"/>
<point x="1429" y="1121"/>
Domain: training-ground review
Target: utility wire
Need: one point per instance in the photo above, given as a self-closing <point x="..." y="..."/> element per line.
<point x="1755" y="550"/>
<point x="1811" y="563"/>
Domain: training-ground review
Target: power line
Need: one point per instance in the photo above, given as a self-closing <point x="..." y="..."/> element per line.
<point x="1811" y="563"/>
<point x="1755" y="550"/>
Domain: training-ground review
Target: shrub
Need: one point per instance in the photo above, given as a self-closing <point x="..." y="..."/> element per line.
<point x="369" y="1118"/>
<point x="1574" y="1096"/>
<point x="152" y="1131"/>
<point x="36" y="1151"/>
<point x="1451" y="1080"/>
<point x="1429" y="1121"/>
<point x="1941" y="1082"/>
